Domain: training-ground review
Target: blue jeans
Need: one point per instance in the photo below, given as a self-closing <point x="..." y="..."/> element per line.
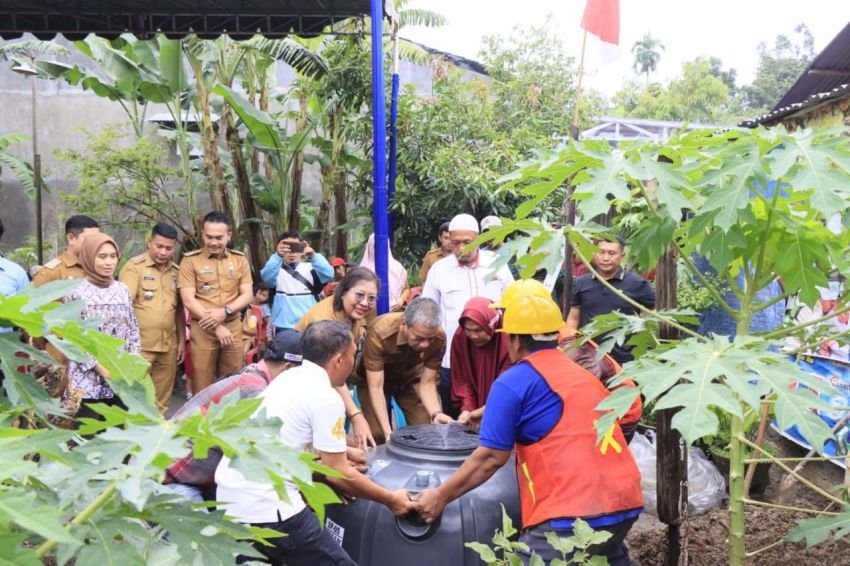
<point x="614" y="549"/>
<point x="306" y="543"/>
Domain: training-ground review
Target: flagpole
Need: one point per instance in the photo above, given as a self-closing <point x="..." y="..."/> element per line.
<point x="574" y="127"/>
<point x="570" y="205"/>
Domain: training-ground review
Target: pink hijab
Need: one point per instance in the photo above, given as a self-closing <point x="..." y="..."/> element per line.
<point x="397" y="272"/>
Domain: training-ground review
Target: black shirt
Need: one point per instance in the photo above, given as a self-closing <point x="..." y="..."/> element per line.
<point x="594" y="299"/>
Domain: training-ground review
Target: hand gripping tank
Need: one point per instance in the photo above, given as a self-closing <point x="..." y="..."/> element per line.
<point x="416" y="458"/>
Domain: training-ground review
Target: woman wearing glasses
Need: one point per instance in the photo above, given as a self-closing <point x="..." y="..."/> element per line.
<point x="354" y="301"/>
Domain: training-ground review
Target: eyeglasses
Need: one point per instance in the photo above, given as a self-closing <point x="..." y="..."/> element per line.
<point x="360" y="296"/>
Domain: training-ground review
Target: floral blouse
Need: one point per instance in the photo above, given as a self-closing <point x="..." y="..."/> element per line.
<point x="114" y="307"/>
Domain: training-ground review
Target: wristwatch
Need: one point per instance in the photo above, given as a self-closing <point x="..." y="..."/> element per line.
<point x="227" y="310"/>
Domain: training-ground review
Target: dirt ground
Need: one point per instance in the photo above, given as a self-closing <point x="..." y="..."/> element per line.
<point x="707" y="534"/>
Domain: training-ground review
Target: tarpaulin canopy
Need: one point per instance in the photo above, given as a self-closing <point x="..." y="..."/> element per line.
<point x="208" y="18"/>
<point x="75" y="19"/>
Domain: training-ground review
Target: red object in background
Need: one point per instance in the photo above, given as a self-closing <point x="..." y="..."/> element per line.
<point x="602" y="19"/>
<point x="579" y="268"/>
<point x="330" y="288"/>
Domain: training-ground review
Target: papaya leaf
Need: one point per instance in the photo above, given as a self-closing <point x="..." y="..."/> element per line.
<point x="818" y="529"/>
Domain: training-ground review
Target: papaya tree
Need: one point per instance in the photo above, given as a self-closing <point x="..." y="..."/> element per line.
<point x="754" y="204"/>
<point x="98" y="499"/>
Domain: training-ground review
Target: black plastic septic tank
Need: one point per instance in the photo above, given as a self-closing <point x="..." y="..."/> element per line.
<point x="416" y="458"/>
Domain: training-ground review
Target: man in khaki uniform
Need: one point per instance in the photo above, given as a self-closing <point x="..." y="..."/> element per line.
<point x="437" y="254"/>
<point x="215" y="285"/>
<point x="65" y="266"/>
<point x="151" y="278"/>
<point x="401" y="358"/>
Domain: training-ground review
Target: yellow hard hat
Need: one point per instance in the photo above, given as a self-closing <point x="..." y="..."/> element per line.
<point x="532" y="314"/>
<point x="521" y="288"/>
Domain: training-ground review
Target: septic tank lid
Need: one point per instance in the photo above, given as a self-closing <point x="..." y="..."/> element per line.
<point x="453" y="437"/>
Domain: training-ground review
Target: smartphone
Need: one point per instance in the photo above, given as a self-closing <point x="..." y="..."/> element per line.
<point x="298" y="247"/>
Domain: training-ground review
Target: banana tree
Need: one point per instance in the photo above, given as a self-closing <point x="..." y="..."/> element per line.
<point x="755" y="204"/>
<point x="135" y="73"/>
<point x="20" y="168"/>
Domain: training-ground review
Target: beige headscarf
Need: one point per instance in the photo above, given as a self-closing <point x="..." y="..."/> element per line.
<point x="88" y="251"/>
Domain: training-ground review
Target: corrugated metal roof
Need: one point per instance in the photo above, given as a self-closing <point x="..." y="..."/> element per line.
<point x="827" y="77"/>
<point x="109" y="18"/>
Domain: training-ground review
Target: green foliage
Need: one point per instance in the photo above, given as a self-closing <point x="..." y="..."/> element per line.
<point x="700" y="94"/>
<point x="99" y="499"/>
<point x="126" y="183"/>
<point x="573" y="550"/>
<point x="469" y="132"/>
<point x="755" y="204"/>
<point x="21" y="169"/>
<point x="647" y="52"/>
<point x="779" y="68"/>
<point x="715" y="178"/>
<point x="818" y="529"/>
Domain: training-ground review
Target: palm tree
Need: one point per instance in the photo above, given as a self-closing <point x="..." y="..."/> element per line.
<point x="647" y="53"/>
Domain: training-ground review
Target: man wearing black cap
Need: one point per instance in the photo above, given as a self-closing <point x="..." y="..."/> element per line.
<point x="191" y="476"/>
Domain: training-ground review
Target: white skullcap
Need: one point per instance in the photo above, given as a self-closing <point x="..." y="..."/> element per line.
<point x="464" y="222"/>
<point x="490" y="222"/>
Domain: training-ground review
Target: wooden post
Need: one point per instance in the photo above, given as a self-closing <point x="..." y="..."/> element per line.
<point x="672" y="452"/>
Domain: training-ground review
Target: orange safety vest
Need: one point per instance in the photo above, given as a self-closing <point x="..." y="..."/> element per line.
<point x="566" y="474"/>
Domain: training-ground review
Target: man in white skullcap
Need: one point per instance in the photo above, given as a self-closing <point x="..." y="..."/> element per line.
<point x="454" y="280"/>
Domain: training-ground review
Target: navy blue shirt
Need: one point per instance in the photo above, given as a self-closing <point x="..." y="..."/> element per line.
<point x="593" y="298"/>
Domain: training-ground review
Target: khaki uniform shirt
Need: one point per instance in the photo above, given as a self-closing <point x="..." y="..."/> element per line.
<point x="155" y="300"/>
<point x="324" y="310"/>
<point x="216" y="280"/>
<point x="62" y="267"/>
<point x="431" y="258"/>
<point x="385" y="349"/>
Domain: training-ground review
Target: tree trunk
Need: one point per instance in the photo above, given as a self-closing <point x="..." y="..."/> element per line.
<point x="672" y="460"/>
<point x="341" y="209"/>
<point x="212" y="160"/>
<point x="247" y="207"/>
<point x="298" y="167"/>
<point x="329" y="173"/>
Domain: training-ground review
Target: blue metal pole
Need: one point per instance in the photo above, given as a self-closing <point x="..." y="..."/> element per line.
<point x="393" y="128"/>
<point x="393" y="156"/>
<point x="379" y="134"/>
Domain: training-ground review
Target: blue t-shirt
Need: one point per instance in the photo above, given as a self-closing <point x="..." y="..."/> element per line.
<point x="13" y="279"/>
<point x="522" y="408"/>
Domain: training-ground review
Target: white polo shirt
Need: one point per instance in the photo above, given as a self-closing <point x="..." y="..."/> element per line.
<point x="451" y="285"/>
<point x="313" y="418"/>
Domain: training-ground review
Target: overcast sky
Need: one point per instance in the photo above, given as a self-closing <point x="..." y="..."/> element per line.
<point x="728" y="29"/>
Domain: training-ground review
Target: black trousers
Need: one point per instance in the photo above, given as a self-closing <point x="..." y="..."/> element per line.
<point x="614" y="549"/>
<point x="306" y="544"/>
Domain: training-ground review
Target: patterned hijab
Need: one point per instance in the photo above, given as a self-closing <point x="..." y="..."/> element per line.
<point x="88" y="251"/>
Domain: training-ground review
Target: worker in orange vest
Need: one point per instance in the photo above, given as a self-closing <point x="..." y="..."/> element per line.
<point x="545" y="408"/>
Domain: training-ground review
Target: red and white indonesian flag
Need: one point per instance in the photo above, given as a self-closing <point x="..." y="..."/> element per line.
<point x="602" y="21"/>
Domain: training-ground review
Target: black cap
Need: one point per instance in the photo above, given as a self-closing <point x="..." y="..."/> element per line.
<point x="284" y="347"/>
